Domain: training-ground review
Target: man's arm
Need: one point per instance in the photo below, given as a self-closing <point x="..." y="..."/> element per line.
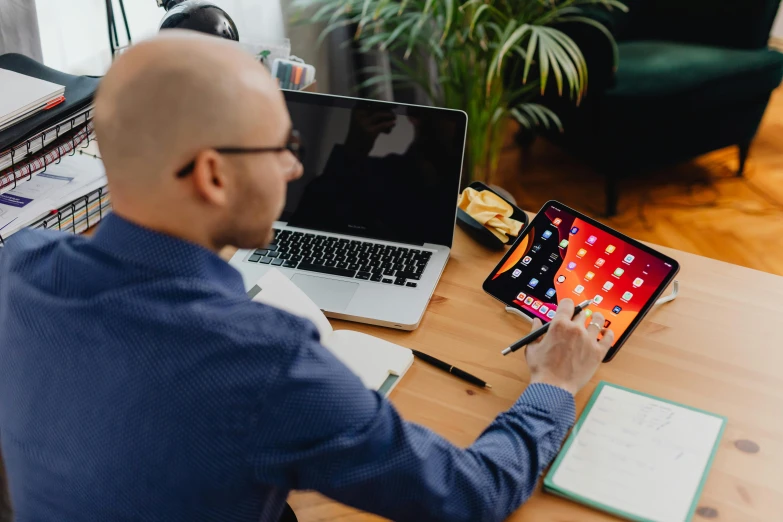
<point x="325" y="431"/>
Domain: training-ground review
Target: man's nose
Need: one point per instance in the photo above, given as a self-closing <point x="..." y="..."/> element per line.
<point x="296" y="172"/>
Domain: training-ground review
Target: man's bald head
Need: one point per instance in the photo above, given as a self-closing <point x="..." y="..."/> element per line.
<point x="168" y="98"/>
<point x="173" y="100"/>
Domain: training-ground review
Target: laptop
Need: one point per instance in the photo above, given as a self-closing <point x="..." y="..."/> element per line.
<point x="367" y="231"/>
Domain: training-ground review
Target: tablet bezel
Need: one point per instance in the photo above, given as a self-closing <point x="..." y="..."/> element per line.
<point x="618" y="343"/>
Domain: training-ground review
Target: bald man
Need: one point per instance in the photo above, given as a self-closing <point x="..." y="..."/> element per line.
<point x="138" y="382"/>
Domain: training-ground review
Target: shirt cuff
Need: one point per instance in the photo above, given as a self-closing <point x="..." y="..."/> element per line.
<point x="556" y="402"/>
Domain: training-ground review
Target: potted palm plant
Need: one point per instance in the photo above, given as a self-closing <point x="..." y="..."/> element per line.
<point x="462" y="54"/>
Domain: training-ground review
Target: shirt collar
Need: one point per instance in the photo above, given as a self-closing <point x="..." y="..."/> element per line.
<point x="163" y="253"/>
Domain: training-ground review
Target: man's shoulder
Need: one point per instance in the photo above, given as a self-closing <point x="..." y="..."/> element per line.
<point x="30" y="242"/>
<point x="34" y="238"/>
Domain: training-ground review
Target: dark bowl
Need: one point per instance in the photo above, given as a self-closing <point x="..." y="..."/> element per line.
<point x="479" y="232"/>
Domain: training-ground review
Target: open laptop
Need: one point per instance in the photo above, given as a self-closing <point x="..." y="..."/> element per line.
<point x="367" y="230"/>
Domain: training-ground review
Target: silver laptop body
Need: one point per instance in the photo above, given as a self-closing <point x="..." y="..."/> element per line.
<point x="367" y="230"/>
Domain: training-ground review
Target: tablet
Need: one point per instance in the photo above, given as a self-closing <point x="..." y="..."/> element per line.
<point x="565" y="254"/>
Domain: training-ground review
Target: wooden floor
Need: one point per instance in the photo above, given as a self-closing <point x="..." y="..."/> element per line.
<point x="700" y="207"/>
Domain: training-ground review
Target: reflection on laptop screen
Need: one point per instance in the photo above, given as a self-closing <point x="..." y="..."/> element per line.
<point x="376" y="170"/>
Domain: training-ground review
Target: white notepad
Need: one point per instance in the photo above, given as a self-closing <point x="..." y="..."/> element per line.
<point x="23" y="96"/>
<point x="637" y="456"/>
<point x="378" y="363"/>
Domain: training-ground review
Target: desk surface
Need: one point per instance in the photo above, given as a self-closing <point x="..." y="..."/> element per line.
<point x="718" y="347"/>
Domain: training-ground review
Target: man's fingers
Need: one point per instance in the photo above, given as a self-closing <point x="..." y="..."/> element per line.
<point x="565" y="310"/>
<point x="598" y="320"/>
<point x="606" y="342"/>
<point x="536" y="325"/>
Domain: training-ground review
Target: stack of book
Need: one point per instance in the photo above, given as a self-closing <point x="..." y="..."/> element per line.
<point x="42" y="132"/>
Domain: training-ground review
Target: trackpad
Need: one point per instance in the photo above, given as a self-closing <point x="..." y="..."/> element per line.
<point x="328" y="294"/>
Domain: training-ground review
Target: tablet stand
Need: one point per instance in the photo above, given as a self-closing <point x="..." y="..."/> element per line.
<point x="663" y="300"/>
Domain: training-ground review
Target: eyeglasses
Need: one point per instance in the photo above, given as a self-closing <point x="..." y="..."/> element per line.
<point x="294" y="146"/>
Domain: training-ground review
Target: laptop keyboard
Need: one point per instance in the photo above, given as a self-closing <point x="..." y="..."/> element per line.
<point x="344" y="257"/>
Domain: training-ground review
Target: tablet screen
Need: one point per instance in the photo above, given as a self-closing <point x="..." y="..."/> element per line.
<point x="565" y="255"/>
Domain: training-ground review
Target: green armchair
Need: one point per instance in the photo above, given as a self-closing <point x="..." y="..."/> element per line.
<point x="694" y="76"/>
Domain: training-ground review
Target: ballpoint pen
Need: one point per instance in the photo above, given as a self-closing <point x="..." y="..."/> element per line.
<point x="446" y="367"/>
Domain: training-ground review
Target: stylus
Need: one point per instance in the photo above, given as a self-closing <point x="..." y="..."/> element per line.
<point x="532" y="336"/>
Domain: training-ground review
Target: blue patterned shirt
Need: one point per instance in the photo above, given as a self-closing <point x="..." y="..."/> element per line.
<point x="140" y="383"/>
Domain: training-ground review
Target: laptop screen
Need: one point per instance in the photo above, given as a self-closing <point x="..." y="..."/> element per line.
<point x="374" y="169"/>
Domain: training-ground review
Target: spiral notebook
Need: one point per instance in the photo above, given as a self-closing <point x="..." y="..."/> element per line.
<point x="637" y="456"/>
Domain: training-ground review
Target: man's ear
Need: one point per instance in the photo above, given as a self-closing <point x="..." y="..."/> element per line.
<point x="210" y="177"/>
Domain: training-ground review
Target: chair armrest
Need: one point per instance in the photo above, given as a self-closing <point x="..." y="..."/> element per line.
<point x="741" y="24"/>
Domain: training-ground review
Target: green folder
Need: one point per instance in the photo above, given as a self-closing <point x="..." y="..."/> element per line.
<point x="645" y="425"/>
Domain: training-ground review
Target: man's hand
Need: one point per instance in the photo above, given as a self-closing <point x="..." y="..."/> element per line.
<point x="570" y="353"/>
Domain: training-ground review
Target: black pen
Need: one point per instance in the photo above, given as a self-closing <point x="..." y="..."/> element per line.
<point x="446" y="367"/>
<point x="532" y="336"/>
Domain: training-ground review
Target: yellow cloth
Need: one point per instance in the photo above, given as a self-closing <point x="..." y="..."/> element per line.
<point x="490" y="210"/>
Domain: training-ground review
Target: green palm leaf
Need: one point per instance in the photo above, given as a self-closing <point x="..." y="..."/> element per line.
<point x="463" y="54"/>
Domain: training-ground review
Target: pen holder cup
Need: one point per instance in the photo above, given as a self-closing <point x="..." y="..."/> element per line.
<point x="479" y="232"/>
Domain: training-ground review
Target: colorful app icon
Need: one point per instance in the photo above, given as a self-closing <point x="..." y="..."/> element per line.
<point x="537" y="305"/>
<point x="618" y="272"/>
<point x="547" y="234"/>
<point x="545" y="268"/>
<point x="527" y="260"/>
<point x="556" y="221"/>
<point x="533" y="282"/>
<point x="581" y="253"/>
<point x="521" y="296"/>
<point x="571" y="265"/>
<point x="544" y="309"/>
<point x="551" y="314"/>
<point x="616" y="310"/>
<point x="607" y="323"/>
<point x="638" y="282"/>
<point x="516" y="273"/>
<point x="588" y="312"/>
<point x="627" y="296"/>
<point x="597" y="299"/>
<point x="561" y="279"/>
<point x="536" y="248"/>
<point x="564" y="243"/>
<point x="589" y="276"/>
<point x="529" y="301"/>
<point x="591" y="240"/>
<point x="574" y="230"/>
<point x="628" y="259"/>
<point x="608" y="286"/>
<point x="579" y="289"/>
<point x="550" y="293"/>
<point x="600" y="262"/>
<point x="610" y="249"/>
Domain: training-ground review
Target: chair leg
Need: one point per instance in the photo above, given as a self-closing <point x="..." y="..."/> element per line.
<point x="744" y="149"/>
<point x="611" y="193"/>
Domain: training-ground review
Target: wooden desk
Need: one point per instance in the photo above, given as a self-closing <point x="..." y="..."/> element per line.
<point x="719" y="347"/>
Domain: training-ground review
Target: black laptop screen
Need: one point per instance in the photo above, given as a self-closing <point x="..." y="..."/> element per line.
<point x="375" y="169"/>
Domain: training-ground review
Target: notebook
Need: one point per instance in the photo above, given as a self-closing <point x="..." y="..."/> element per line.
<point x="79" y="91"/>
<point x="23" y="96"/>
<point x="378" y="363"/>
<point x="637" y="456"/>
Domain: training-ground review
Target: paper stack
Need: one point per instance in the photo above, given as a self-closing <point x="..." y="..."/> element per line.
<point x="69" y="196"/>
<point x="24" y="96"/>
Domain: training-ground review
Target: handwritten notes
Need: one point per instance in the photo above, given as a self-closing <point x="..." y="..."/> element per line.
<point x="638" y="455"/>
